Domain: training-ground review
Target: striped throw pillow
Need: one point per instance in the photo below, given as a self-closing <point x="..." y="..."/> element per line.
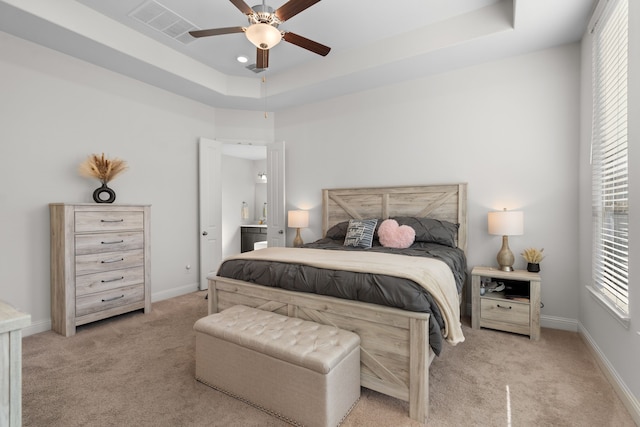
<point x="360" y="233"/>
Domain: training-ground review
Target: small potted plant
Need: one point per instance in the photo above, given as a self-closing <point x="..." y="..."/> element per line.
<point x="533" y="257"/>
<point x="105" y="170"/>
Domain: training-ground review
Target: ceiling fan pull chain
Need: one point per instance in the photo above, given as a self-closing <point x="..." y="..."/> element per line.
<point x="264" y="82"/>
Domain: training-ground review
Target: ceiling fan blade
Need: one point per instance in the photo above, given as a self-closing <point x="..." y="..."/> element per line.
<point x="292" y="8"/>
<point x="262" y="59"/>
<point x="305" y="43"/>
<point x="216" y="31"/>
<point x="244" y="8"/>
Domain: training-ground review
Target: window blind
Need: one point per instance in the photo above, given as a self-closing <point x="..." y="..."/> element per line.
<point x="609" y="155"/>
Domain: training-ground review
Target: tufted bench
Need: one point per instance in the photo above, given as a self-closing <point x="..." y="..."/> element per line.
<point x="301" y="371"/>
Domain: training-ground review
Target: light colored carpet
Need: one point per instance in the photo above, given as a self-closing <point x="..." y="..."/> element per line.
<point x="138" y="370"/>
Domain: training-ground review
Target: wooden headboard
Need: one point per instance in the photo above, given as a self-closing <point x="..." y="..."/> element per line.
<point x="444" y="202"/>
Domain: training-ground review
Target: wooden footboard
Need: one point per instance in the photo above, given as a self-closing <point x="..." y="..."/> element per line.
<point x="394" y="354"/>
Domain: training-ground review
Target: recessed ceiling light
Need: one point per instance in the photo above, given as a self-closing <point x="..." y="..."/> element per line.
<point x="242" y="59"/>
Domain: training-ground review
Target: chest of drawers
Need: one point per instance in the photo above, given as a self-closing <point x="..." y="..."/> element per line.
<point x="100" y="262"/>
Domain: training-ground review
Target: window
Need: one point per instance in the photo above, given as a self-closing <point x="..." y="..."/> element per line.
<point x="609" y="158"/>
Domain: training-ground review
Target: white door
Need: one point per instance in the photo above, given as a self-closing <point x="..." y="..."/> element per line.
<point x="210" y="195"/>
<point x="276" y="216"/>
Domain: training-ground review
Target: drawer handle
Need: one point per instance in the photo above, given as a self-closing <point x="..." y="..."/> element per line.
<point x="112" y="299"/>
<point x="109" y="261"/>
<point x="112" y="280"/>
<point x="502" y="306"/>
<point x="112" y="220"/>
<point x="112" y="242"/>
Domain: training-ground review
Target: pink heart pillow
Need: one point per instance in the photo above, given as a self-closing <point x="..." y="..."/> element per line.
<point x="392" y="235"/>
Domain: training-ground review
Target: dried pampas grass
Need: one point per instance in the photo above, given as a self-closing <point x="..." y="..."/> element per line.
<point x="102" y="168"/>
<point x="533" y="255"/>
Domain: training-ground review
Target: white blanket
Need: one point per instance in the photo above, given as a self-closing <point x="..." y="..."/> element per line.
<point x="432" y="274"/>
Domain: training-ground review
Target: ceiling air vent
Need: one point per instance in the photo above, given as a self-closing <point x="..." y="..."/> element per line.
<point x="160" y="18"/>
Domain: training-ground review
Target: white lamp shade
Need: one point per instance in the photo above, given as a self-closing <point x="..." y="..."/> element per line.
<point x="264" y="36"/>
<point x="298" y="219"/>
<point x="506" y="223"/>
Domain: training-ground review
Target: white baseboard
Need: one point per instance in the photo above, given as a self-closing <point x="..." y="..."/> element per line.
<point x="561" y="323"/>
<point x="36" y="328"/>
<point x="628" y="399"/>
<point x="174" y="292"/>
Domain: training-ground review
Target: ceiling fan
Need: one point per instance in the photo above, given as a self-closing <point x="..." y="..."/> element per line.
<point x="263" y="29"/>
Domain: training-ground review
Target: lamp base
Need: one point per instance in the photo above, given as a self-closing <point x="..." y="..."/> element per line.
<point x="297" y="242"/>
<point x="505" y="256"/>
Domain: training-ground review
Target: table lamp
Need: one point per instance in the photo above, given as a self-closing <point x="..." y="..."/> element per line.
<point x="298" y="219"/>
<point x="506" y="223"/>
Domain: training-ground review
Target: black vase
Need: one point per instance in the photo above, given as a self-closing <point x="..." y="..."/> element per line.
<point x="533" y="267"/>
<point x="104" y="194"/>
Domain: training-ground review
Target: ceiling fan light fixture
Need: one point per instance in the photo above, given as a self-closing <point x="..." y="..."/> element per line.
<point x="263" y="36"/>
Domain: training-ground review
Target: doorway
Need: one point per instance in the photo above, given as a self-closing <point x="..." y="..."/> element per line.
<point x="216" y="203"/>
<point x="244" y="193"/>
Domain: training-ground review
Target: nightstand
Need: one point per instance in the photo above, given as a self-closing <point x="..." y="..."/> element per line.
<point x="515" y="309"/>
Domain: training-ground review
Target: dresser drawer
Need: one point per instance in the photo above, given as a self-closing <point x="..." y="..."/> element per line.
<point x="504" y="310"/>
<point x="108" y="261"/>
<point x="100" y="301"/>
<point x="99" y="282"/>
<point x="92" y="221"/>
<point x="108" y="242"/>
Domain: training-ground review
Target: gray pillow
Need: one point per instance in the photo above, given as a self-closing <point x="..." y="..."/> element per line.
<point x="360" y="233"/>
<point x="338" y="231"/>
<point x="431" y="230"/>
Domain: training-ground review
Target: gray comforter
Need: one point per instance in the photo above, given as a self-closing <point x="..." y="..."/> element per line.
<point x="372" y="288"/>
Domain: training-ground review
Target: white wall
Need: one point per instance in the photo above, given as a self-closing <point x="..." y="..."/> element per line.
<point x="57" y="110"/>
<point x="619" y="347"/>
<point x="510" y="129"/>
<point x="238" y="125"/>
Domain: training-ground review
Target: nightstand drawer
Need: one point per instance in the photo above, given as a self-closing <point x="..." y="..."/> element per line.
<point x="504" y="310"/>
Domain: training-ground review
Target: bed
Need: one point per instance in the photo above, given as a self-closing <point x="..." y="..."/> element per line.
<point x="395" y="342"/>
